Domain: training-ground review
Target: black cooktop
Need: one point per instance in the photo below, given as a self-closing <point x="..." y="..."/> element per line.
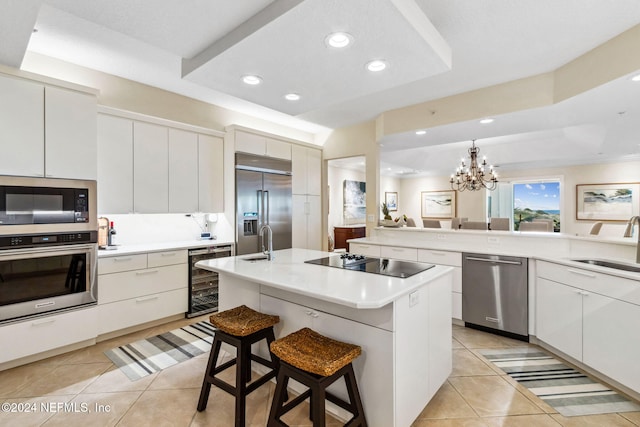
<point x="383" y="266"/>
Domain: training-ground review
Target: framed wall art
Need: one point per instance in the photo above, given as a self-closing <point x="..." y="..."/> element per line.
<point x="607" y="202"/>
<point x="354" y="208"/>
<point x="391" y="200"/>
<point x="438" y="204"/>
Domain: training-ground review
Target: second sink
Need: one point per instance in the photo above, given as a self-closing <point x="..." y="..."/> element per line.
<point x="610" y="264"/>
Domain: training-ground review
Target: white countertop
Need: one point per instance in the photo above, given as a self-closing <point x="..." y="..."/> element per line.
<point x="158" y="246"/>
<point x="354" y="289"/>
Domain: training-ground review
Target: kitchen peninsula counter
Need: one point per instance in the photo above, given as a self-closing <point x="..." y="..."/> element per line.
<point x="402" y="325"/>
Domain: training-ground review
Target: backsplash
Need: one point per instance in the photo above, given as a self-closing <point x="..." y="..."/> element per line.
<point x="135" y="229"/>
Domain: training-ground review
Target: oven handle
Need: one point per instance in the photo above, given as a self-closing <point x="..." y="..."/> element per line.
<point x="48" y="249"/>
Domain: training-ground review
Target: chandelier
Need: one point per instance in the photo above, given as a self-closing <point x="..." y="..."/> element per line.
<point x="474" y="177"/>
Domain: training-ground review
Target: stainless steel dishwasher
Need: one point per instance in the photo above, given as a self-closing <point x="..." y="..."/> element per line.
<point x="495" y="293"/>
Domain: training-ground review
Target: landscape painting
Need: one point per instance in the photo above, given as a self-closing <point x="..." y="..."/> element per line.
<point x="438" y="204"/>
<point x="606" y="202"/>
<point x="354" y="202"/>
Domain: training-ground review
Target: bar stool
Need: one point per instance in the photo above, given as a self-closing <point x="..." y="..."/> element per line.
<point x="239" y="327"/>
<point x="317" y="362"/>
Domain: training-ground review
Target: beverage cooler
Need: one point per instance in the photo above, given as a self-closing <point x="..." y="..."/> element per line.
<point x="203" y="284"/>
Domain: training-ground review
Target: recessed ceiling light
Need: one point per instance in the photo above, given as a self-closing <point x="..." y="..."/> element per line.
<point x="252" y="79"/>
<point x="338" y="40"/>
<point x="421" y="132"/>
<point x="292" y="97"/>
<point x="486" y="121"/>
<point x="376" y="65"/>
<point x="636" y="78"/>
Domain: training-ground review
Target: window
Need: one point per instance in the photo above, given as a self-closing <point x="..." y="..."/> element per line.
<point x="527" y="201"/>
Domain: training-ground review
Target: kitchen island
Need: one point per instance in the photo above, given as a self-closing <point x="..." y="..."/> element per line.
<point x="402" y="325"/>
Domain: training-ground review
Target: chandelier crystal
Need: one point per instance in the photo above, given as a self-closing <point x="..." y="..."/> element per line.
<point x="475" y="176"/>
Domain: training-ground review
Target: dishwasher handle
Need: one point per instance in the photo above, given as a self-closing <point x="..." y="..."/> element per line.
<point x="495" y="261"/>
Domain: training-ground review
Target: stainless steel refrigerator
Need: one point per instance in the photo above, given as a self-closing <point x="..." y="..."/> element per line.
<point x="263" y="196"/>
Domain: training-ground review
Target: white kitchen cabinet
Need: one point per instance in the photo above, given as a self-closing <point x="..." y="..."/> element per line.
<point x="396" y="252"/>
<point x="47" y="333"/>
<point x="372" y="375"/>
<point x="306" y="222"/>
<point x="609" y="346"/>
<point x="47" y="131"/>
<point x="452" y="259"/>
<point x="140" y="288"/>
<point x="559" y="316"/>
<point x="115" y="165"/>
<point x="70" y="134"/>
<point x="253" y="143"/>
<point x="306" y="167"/>
<point x="364" y="249"/>
<point x="210" y="174"/>
<point x="150" y="168"/>
<point x="590" y="316"/>
<point x="183" y="171"/>
<point x="22" y="127"/>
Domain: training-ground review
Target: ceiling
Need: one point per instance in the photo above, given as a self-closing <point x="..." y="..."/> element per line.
<point x="433" y="48"/>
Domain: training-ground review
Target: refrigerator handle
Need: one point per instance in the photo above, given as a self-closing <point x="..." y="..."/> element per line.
<point x="260" y="203"/>
<point x="267" y="207"/>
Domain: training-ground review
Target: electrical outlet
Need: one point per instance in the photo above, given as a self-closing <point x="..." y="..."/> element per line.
<point x="442" y="237"/>
<point x="414" y="298"/>
<point x="493" y="239"/>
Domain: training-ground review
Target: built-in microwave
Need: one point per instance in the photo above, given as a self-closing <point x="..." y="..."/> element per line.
<point x="46" y="205"/>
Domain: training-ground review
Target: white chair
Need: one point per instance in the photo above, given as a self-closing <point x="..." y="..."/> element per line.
<point x="411" y="222"/>
<point x="431" y="223"/>
<point x="474" y="225"/>
<point x="534" y="226"/>
<point x="500" y="224"/>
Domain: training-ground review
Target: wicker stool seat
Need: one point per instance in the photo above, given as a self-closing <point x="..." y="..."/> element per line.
<point x="315" y="361"/>
<point x="239" y="327"/>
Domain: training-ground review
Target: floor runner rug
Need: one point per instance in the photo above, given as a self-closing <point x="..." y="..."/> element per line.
<point x="144" y="357"/>
<point x="566" y="389"/>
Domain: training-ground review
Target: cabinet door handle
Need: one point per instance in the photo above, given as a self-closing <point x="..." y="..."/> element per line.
<point x="314" y="314"/>
<point x="122" y="259"/>
<point x="142" y="273"/>
<point x="145" y="299"/>
<point x="585" y="293"/>
<point x="581" y="273"/>
<point x="167" y="254"/>
<point x="397" y="249"/>
<point x="42" y="322"/>
<point x="437" y="253"/>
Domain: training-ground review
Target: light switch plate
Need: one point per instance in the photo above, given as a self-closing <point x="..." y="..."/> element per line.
<point x="414" y="298"/>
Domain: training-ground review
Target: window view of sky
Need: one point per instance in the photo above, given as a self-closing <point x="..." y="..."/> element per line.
<point x="544" y="196"/>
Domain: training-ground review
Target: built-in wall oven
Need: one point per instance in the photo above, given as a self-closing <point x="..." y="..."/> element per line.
<point x="48" y="245"/>
<point x="203" y="284"/>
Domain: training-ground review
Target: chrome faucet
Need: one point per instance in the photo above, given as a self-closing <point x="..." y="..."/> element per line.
<point x="628" y="232"/>
<point x="269" y="251"/>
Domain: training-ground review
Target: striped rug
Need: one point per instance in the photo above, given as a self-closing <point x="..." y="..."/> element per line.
<point x="568" y="390"/>
<point x="144" y="357"/>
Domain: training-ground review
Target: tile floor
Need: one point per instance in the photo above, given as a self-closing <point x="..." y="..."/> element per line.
<point x="476" y="393"/>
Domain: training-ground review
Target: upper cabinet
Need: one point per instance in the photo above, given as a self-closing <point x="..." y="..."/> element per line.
<point x="261" y="145"/>
<point x="306" y="164"/>
<point x="115" y="164"/>
<point x="210" y="173"/>
<point x="148" y="167"/>
<point x="183" y="171"/>
<point x="47" y="130"/>
<point x="70" y="134"/>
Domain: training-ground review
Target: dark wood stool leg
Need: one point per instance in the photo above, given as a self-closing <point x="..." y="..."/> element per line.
<point x="279" y="397"/>
<point x="317" y="401"/>
<point x="208" y="375"/>
<point x="354" y="395"/>
<point x="243" y="359"/>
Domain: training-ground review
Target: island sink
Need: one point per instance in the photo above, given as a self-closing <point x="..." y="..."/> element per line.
<point x="610" y="264"/>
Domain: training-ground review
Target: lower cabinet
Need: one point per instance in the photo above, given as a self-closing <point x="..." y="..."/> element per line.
<point x="141" y="288"/>
<point x="559" y="316"/>
<point x="47" y="333"/>
<point x="452" y="259"/>
<point x="591" y="317"/>
<point x="373" y="377"/>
